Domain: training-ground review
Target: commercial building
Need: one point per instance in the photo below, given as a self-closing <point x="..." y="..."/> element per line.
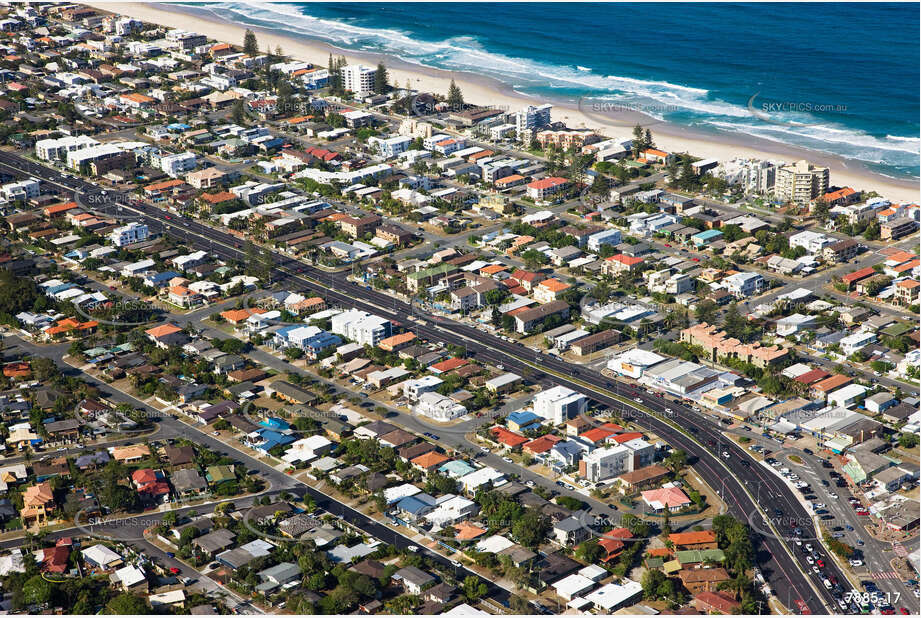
<point x="634" y="362"/>
<point x="559" y="403"/>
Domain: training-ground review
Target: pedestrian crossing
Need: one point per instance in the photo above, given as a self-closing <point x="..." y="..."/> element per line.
<point x="885" y="575"/>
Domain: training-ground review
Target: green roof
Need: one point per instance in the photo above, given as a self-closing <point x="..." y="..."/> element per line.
<point x="897" y="330"/>
<point x="691" y="556"/>
<point x="434" y="271"/>
<point x="219" y="474"/>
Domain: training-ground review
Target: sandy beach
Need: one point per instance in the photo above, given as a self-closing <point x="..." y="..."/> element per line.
<point x="486" y="91"/>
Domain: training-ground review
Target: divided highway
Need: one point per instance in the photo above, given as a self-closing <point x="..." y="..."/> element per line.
<point x="777" y="558"/>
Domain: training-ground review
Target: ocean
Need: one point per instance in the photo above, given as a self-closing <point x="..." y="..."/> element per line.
<point x="836" y="78"/>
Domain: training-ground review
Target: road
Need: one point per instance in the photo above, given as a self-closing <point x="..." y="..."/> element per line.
<point x="278" y="482"/>
<point x="875" y="554"/>
<point x="776" y="559"/>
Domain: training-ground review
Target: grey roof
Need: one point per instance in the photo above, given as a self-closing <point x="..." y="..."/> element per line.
<point x="297" y="525"/>
<point x="68" y="424"/>
<point x="215" y="540"/>
<point x="570" y="524"/>
<point x="188" y="479"/>
<point x="236" y="558"/>
<point x="414" y="575"/>
<point x="282" y="572"/>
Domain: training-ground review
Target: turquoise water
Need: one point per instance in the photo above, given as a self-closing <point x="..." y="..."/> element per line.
<point x="837" y="78"/>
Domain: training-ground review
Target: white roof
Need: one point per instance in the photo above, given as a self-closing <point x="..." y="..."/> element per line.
<point x="464" y="610"/>
<point x="494" y="544"/>
<point x="574" y="585"/>
<point x="130" y="575"/>
<point x="641" y="358"/>
<point x="395" y="494"/>
<point x="101" y="555"/>
<point x="594" y="572"/>
<point x="849" y="391"/>
<point x="167" y="598"/>
<point x="611" y="595"/>
<point x="795" y="371"/>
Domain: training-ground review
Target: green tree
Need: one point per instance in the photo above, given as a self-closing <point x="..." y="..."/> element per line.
<point x="380" y="79"/>
<point x="637" y="144"/>
<point x="531" y="528"/>
<point x="37" y="590"/>
<point x="238" y="112"/>
<point x="706" y="311"/>
<point x="474" y="588"/>
<point x="250" y="45"/>
<point x="908" y="440"/>
<point x="455" y="97"/>
<point x="127" y="604"/>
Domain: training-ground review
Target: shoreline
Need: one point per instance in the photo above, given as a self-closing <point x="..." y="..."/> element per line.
<point x="484" y="90"/>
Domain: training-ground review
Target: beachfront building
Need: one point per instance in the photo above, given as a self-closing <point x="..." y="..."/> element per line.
<point x="800" y="182"/>
<point x="753" y="175"/>
<point x="358" y="79"/>
<point x="531" y="118"/>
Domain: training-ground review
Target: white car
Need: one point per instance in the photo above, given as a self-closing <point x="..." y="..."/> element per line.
<point x="638" y="400"/>
<point x="798" y="543"/>
<point x="810" y="560"/>
<point x="725" y="454"/>
<point x="809" y="547"/>
<point x="484" y="449"/>
<point x="816" y="570"/>
<point x="818" y="505"/>
<point x="507" y="460"/>
<point x="776" y="464"/>
<point x="412" y="548"/>
<point x="855" y="563"/>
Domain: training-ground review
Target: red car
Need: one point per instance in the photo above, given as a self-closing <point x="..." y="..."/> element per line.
<point x="174" y="570"/>
<point x="863" y="513"/>
<point x="888" y="611"/>
<point x="820" y="564"/>
<point x="167" y="217"/>
<point x="903" y="611"/>
<point x="695" y="259"/>
<point x="667" y="245"/>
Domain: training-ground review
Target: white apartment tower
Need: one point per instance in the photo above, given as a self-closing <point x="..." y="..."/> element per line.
<point x="358" y="79"/>
<point x="801" y="182"/>
<point x="532" y="118"/>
